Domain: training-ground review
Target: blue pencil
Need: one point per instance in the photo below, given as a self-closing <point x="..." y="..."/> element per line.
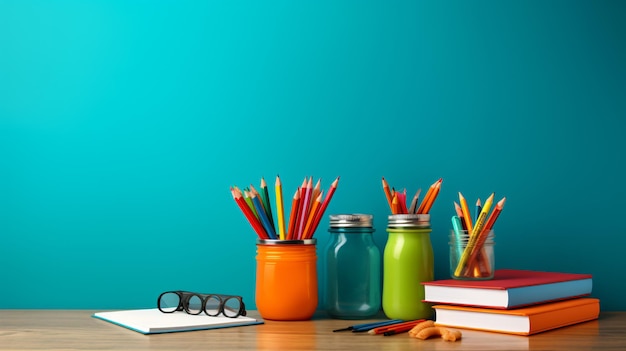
<point x="479" y="208"/>
<point x="367" y="326"/>
<point x="458" y="230"/>
<point x="263" y="216"/>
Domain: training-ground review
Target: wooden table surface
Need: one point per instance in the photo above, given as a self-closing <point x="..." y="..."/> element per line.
<point x="77" y="330"/>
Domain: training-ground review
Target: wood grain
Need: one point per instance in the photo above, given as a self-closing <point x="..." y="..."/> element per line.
<point x="77" y="330"/>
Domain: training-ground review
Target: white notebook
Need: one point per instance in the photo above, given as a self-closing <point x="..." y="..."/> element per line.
<point x="153" y="321"/>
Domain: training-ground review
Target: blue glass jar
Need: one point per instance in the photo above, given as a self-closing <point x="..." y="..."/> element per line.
<point x="353" y="268"/>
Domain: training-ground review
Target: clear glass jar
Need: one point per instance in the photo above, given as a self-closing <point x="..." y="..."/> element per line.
<point x="472" y="259"/>
<point x="353" y="268"/>
<point x="286" y="279"/>
<point x="408" y="261"/>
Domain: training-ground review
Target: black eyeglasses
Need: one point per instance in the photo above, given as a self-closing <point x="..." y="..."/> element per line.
<point x="231" y="306"/>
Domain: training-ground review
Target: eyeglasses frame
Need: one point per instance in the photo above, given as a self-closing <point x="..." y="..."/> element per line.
<point x="185" y="296"/>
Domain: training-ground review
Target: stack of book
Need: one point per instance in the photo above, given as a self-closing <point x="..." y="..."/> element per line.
<point x="519" y="302"/>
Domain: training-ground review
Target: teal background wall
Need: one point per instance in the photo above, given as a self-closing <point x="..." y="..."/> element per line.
<point x="124" y="123"/>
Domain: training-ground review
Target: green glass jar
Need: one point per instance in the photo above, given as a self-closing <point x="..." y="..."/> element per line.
<point x="408" y="261"/>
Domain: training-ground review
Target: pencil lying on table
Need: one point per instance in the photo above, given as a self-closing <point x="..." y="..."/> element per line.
<point x="396" y="328"/>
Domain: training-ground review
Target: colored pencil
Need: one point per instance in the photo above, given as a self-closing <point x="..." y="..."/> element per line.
<point x="293" y="217"/>
<point x="494" y="215"/>
<point x="254" y="222"/>
<point x="479" y="208"/>
<point x="402" y="202"/>
<point x="320" y="214"/>
<point x="265" y="197"/>
<point x="482" y="218"/>
<point x="387" y="192"/>
<point x="305" y="206"/>
<point x="413" y="206"/>
<point x="395" y="204"/>
<point x="317" y="189"/>
<point x="429" y="194"/>
<point x="263" y="216"/>
<point x="300" y="207"/>
<point x="462" y="265"/>
<point x="395" y="326"/>
<point x="459" y="213"/>
<point x="466" y="213"/>
<point x="311" y="216"/>
<point x="457" y="227"/>
<point x="433" y="197"/>
<point x="482" y="237"/>
<point x="280" y="208"/>
<point x="308" y="207"/>
<point x="399" y="329"/>
<point x="368" y="326"/>
<point x="246" y="196"/>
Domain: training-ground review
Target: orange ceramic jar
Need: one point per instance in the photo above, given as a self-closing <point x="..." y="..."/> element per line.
<point x="286" y="279"/>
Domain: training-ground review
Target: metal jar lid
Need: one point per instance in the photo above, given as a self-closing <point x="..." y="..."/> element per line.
<point x="409" y="221"/>
<point x="355" y="220"/>
<point x="311" y="241"/>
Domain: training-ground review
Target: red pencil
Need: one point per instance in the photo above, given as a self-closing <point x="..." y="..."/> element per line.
<point x="399" y="330"/>
<point x="320" y="212"/>
<point x="304" y="209"/>
<point x="293" y="217"/>
<point x="397" y="326"/>
<point x="402" y="202"/>
<point x="256" y="225"/>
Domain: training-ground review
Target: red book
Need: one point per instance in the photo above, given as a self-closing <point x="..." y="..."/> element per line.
<point x="522" y="321"/>
<point x="509" y="288"/>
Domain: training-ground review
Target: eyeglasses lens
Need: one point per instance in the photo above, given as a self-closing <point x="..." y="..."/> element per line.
<point x="231" y="307"/>
<point x="213" y="305"/>
<point x="194" y="305"/>
<point x="169" y="302"/>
